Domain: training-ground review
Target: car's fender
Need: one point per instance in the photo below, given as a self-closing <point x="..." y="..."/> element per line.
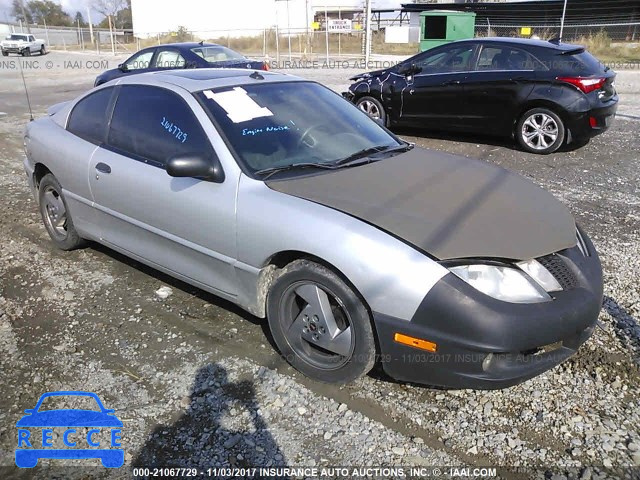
<point x="392" y="277"/>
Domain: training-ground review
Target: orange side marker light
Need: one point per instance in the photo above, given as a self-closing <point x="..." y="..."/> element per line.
<point x="415" y="342"/>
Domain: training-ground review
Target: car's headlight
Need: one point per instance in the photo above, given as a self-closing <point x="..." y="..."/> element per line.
<point x="541" y="275"/>
<point x="504" y="283"/>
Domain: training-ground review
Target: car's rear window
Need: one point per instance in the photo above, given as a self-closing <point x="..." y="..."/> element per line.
<point x="577" y="62"/>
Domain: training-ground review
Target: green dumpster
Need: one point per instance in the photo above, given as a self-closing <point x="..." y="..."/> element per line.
<point x="438" y="27"/>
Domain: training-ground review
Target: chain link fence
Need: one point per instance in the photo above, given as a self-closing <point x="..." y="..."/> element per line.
<point x="616" y="32"/>
<point x="97" y="39"/>
<point x="612" y="41"/>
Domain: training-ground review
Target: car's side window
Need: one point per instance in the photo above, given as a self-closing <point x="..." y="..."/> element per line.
<point x="506" y="58"/>
<point x="88" y="119"/>
<point x="169" y="59"/>
<point x="139" y="61"/>
<point x="152" y="124"/>
<point x="454" y="59"/>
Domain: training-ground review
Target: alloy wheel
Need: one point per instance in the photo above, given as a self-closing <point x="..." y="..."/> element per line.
<point x="316" y="325"/>
<point x="370" y="109"/>
<point x="540" y="131"/>
<point x="55" y="212"/>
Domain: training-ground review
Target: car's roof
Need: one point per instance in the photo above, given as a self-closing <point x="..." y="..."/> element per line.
<point x="524" y="42"/>
<point x="187" y="45"/>
<point x="198" y="79"/>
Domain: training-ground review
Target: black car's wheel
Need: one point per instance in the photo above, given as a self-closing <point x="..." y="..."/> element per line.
<point x="540" y="130"/>
<point x="43" y="50"/>
<point x="319" y="324"/>
<point x="372" y="107"/>
<point x="55" y="215"/>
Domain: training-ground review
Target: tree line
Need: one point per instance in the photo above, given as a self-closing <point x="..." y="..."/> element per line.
<point x="51" y="13"/>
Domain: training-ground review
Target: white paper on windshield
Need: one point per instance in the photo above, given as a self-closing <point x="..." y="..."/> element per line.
<point x="240" y="107"/>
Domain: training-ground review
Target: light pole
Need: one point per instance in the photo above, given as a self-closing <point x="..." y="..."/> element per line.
<point x="367" y="47"/>
<point x="564" y="12"/>
<point x="288" y="25"/>
<point x="24" y="15"/>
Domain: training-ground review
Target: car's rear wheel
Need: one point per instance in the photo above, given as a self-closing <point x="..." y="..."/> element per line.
<point x="540" y="130"/>
<point x="55" y="214"/>
<point x="43" y="50"/>
<point x="372" y="107"/>
<point x="319" y="324"/>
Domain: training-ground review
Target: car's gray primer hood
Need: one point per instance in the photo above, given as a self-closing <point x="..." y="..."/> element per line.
<point x="446" y="205"/>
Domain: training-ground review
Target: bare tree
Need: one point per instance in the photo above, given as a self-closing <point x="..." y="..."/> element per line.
<point x="109" y="8"/>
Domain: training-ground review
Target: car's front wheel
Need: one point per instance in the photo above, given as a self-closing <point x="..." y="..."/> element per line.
<point x="372" y="107"/>
<point x="26" y="52"/>
<point x="43" y="50"/>
<point x="319" y="324"/>
<point x="5" y="54"/>
<point x="55" y="214"/>
<point x="540" y="130"/>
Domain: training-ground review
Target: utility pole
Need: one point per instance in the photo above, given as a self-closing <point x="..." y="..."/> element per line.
<point x="367" y="41"/>
<point x="90" y="25"/>
<point x="24" y="15"/>
<point x="564" y="12"/>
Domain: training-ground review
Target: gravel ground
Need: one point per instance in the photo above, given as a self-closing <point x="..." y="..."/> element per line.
<point x="197" y="382"/>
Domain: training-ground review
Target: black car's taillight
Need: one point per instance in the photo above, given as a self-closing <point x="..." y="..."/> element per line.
<point x="586" y="84"/>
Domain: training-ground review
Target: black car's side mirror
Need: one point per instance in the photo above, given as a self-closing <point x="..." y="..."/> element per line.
<point x="123" y="67"/>
<point x="409" y="69"/>
<point x="196" y="166"/>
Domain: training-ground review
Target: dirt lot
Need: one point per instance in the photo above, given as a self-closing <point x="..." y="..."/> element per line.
<point x="197" y="382"/>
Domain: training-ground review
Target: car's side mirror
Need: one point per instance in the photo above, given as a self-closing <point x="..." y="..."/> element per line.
<point x="409" y="69"/>
<point x="196" y="166"/>
<point x="123" y="67"/>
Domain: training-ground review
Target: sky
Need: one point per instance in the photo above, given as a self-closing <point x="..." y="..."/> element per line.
<point x="72" y="6"/>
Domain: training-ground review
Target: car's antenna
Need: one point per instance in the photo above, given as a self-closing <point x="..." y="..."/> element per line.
<point x="26" y="92"/>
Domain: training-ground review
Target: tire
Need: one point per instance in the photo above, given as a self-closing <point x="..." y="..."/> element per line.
<point x="5" y="54"/>
<point x="55" y="215"/>
<point x="337" y="351"/>
<point x="43" y="50"/>
<point x="372" y="107"/>
<point x="26" y="52"/>
<point x="540" y="130"/>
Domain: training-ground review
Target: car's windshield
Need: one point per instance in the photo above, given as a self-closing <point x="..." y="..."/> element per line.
<point x="273" y="125"/>
<point x="61" y="402"/>
<point x="217" y="53"/>
<point x="16" y="37"/>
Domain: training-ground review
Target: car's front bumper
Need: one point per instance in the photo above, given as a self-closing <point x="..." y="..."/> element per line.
<point x="485" y="343"/>
<point x="349" y="96"/>
<point x="13" y="49"/>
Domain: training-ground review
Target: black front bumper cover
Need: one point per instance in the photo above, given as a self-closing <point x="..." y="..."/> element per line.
<point x="468" y="326"/>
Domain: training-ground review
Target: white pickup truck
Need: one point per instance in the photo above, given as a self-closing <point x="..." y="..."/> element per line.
<point x="23" y="44"/>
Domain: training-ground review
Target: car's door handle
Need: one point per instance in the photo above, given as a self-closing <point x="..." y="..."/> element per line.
<point x="103" y="168"/>
<point x="452" y="82"/>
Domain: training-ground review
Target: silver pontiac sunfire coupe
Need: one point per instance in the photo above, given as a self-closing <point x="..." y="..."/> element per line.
<point x="275" y="193"/>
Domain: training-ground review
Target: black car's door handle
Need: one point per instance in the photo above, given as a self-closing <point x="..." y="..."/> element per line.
<point x="452" y="82"/>
<point x="103" y="168"/>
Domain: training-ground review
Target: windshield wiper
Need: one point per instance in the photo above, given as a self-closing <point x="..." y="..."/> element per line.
<point x="268" y="172"/>
<point x="366" y="152"/>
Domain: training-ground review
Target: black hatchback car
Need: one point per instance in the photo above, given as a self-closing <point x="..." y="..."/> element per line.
<point x="542" y="93"/>
<point x="181" y="55"/>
